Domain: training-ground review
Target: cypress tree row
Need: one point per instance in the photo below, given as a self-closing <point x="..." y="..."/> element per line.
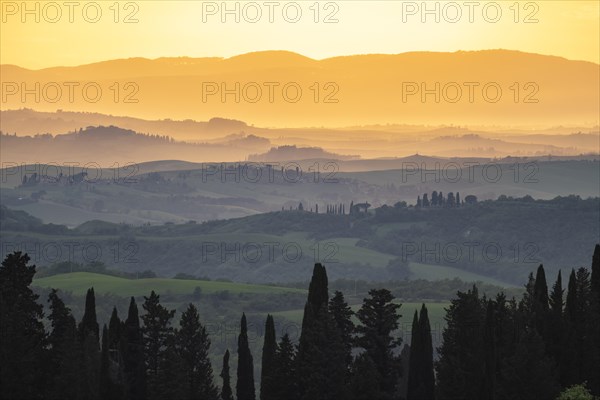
<point x="492" y="348"/>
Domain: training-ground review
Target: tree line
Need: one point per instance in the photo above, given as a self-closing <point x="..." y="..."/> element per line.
<point x="493" y="348"/>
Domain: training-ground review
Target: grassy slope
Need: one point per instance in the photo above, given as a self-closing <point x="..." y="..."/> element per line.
<point x="79" y="282"/>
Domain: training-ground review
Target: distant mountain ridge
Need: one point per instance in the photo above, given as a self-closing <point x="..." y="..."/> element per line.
<point x="341" y="91"/>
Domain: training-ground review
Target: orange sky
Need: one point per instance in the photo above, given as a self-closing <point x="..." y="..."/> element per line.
<point x="87" y="32"/>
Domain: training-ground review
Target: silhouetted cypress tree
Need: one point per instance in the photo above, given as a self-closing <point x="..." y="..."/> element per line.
<point x="105" y="382"/>
<point x="556" y="296"/>
<point x="226" y="393"/>
<point x="245" y="370"/>
<point x="529" y="373"/>
<point x="172" y="383"/>
<point x="460" y="369"/>
<point x="64" y="353"/>
<point x="115" y="357"/>
<point x="89" y="324"/>
<point x="90" y="349"/>
<point x="193" y="344"/>
<point x="134" y="366"/>
<point x="596" y="272"/>
<point x="379" y="319"/>
<point x="571" y="302"/>
<point x="157" y="332"/>
<point x="556" y="333"/>
<point x="540" y="302"/>
<point x="320" y="359"/>
<point x="413" y="362"/>
<point x="342" y="315"/>
<point x="421" y="382"/>
<point x="285" y="372"/>
<point x="364" y="374"/>
<point x="428" y="377"/>
<point x="585" y="328"/>
<point x="268" y="361"/>
<point x="490" y="352"/>
<point x="115" y="328"/>
<point x="594" y="382"/>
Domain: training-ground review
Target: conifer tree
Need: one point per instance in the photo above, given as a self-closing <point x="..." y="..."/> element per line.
<point x="594" y="382"/>
<point x="226" y="393"/>
<point x="193" y="345"/>
<point x="132" y="346"/>
<point x="90" y="349"/>
<point x="421" y="382"/>
<point x="285" y="370"/>
<point x="379" y="319"/>
<point x="460" y="369"/>
<point x="63" y="357"/>
<point x="364" y="374"/>
<point x="157" y="332"/>
<point x="245" y="370"/>
<point x="342" y="315"/>
<point x="540" y="305"/>
<point x="89" y="324"/>
<point x="415" y="347"/>
<point x="428" y="377"/>
<point x="105" y="382"/>
<point x="320" y="358"/>
<point x="595" y="283"/>
<point x="268" y="361"/>
<point x="557" y="332"/>
<point x="115" y="356"/>
<point x="529" y="373"/>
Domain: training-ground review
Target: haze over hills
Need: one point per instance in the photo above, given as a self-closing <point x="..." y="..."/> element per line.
<point x="225" y="140"/>
<point x="389" y="243"/>
<point x="175" y="191"/>
<point x="273" y="88"/>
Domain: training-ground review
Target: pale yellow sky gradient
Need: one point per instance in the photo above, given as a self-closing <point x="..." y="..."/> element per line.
<point x="569" y="29"/>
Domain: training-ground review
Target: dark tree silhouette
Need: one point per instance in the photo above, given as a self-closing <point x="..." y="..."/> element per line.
<point x="226" y="393"/>
<point x="268" y="361"/>
<point x="245" y="370"/>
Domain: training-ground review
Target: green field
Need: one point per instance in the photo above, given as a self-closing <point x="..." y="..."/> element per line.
<point x="79" y="282"/>
<point x="436" y="272"/>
